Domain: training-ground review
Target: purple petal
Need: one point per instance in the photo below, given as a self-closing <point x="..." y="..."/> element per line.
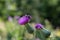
<point x="24" y="20"/>
<point x="39" y="26"/>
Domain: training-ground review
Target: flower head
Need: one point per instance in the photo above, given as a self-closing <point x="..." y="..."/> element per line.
<point x="38" y="26"/>
<point x="24" y="20"/>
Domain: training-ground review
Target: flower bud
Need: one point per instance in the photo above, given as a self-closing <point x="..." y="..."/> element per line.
<point x="42" y="33"/>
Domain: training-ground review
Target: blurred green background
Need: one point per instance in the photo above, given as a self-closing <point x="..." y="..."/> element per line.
<point x="46" y="12"/>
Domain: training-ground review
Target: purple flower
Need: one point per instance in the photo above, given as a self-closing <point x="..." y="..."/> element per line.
<point x="10" y="18"/>
<point x="38" y="26"/>
<point x="24" y="20"/>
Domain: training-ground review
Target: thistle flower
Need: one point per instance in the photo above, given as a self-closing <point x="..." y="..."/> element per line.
<point x="24" y="20"/>
<point x="38" y="26"/>
<point x="44" y="31"/>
